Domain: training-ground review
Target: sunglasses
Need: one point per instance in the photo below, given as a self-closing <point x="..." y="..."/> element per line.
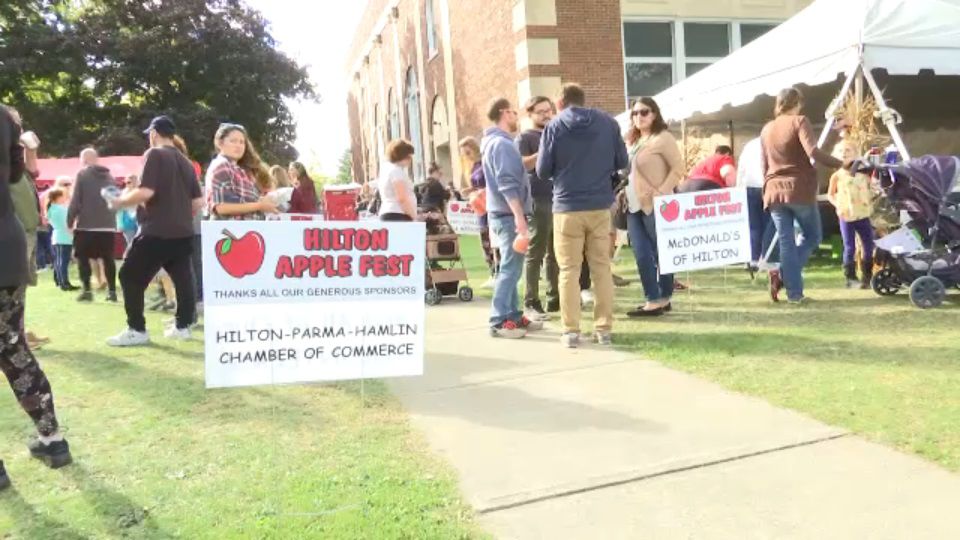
<point x="228" y="125"/>
<point x="643" y="113"/>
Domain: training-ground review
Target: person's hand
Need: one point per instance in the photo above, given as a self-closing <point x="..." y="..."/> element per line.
<point x="267" y="205"/>
<point x="522" y="227"/>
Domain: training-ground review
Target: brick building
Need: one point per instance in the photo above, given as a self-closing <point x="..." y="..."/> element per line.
<point x="424" y="70"/>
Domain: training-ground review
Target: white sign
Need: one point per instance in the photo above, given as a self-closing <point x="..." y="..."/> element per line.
<point x="707" y="229"/>
<point x="462" y="218"/>
<point x="301" y="301"/>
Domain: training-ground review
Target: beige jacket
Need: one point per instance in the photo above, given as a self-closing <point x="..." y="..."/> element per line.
<point x="656" y="170"/>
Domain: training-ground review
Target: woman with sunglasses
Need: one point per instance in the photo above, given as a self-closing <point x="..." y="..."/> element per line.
<point x="237" y="181"/>
<point x="656" y="169"/>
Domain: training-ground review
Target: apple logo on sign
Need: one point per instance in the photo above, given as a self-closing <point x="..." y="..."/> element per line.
<point x="242" y="256"/>
<point x="670" y="211"/>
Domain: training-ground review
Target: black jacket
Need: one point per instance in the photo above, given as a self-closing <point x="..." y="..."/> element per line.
<point x="13" y="241"/>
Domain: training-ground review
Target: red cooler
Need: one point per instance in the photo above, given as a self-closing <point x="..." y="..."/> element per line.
<point x="340" y="202"/>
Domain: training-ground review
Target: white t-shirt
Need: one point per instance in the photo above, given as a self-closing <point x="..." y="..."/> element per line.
<point x="389" y="174"/>
<point x="750" y="169"/>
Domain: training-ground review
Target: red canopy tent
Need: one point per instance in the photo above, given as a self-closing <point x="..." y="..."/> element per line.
<point x="120" y="167"/>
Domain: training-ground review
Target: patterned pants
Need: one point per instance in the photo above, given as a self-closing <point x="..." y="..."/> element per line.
<point x="27" y="380"/>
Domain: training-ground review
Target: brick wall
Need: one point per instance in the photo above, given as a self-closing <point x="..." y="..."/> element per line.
<point x="591" y="50"/>
<point x="484" y="64"/>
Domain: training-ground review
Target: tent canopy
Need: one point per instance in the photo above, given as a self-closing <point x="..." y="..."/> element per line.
<point x="120" y="167"/>
<point x="827" y="38"/>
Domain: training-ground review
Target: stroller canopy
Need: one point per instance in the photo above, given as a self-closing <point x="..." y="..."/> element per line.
<point x="921" y="187"/>
<point x="933" y="177"/>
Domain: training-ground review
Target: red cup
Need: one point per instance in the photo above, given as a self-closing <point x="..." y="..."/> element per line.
<point x="521" y="244"/>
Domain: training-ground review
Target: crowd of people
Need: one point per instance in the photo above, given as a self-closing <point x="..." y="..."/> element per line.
<point x="565" y="185"/>
<point x="551" y="199"/>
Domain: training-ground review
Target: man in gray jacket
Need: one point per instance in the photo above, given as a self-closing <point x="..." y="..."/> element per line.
<point x="95" y="224"/>
<point x="508" y="205"/>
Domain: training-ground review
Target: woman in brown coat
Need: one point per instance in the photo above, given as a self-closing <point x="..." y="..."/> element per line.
<point x="790" y="190"/>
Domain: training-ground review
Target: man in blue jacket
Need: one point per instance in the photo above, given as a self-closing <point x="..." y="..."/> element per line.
<point x="582" y="150"/>
<point x="508" y="205"/>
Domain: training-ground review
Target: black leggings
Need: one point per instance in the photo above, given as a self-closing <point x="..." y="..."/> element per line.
<point x="29" y="383"/>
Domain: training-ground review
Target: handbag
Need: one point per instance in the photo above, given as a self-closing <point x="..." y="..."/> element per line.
<point x="621" y="205"/>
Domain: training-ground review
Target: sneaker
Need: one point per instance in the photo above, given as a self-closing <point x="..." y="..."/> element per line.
<point x="157" y="305"/>
<point x="112" y="297"/>
<point x="531" y="325"/>
<point x="802" y="301"/>
<point x="177" y="334"/>
<point x="508" y="330"/>
<point x="129" y="338"/>
<point x="168" y="307"/>
<point x="488" y="284"/>
<point x="586" y="298"/>
<point x="171" y="322"/>
<point x="55" y="454"/>
<point x="69" y="288"/>
<point x="603" y="338"/>
<point x="535" y="311"/>
<point x="553" y="306"/>
<point x="776" y="285"/>
<point x="570" y="340"/>
<point x="85" y="296"/>
<point x="619" y="281"/>
<point x="4" y="479"/>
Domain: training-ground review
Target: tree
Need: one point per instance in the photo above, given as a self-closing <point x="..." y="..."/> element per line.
<point x="95" y="72"/>
<point x="345" y="168"/>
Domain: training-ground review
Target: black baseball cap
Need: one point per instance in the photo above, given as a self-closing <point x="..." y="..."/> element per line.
<point x="163" y="126"/>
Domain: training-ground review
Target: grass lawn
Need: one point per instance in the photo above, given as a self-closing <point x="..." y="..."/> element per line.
<point x="876" y="366"/>
<point x="158" y="456"/>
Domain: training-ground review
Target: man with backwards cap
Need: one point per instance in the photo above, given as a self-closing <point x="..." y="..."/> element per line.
<point x="170" y="196"/>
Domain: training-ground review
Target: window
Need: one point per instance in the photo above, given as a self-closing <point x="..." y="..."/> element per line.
<point x="649" y="52"/>
<point x="431" y="28"/>
<point x="750" y="32"/>
<point x="393" y="116"/>
<point x="659" y="54"/>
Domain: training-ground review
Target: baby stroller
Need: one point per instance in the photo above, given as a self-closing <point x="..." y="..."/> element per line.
<point x="446" y="267"/>
<point x="923" y="188"/>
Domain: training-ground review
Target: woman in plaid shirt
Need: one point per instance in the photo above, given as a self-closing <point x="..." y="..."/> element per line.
<point x="237" y="181"/>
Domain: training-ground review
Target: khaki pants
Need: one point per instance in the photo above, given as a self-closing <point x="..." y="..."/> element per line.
<point x="576" y="234"/>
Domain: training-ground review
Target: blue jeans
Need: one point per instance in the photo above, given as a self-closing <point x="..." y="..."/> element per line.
<point x="44" y="249"/>
<point x="506" y="299"/>
<point x="643" y="237"/>
<point x="62" y="253"/>
<point x="762" y="230"/>
<point x="794" y="257"/>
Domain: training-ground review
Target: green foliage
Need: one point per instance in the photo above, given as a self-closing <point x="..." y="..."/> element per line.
<point x="95" y="72"/>
<point x="345" y="168"/>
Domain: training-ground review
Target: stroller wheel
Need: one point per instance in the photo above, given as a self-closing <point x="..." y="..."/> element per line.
<point x="465" y="294"/>
<point x="433" y="297"/>
<point x="927" y="292"/>
<point x="885" y="282"/>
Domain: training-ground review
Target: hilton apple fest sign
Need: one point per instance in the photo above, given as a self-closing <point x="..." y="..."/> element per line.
<point x="299" y="301"/>
<point x="708" y="229"/>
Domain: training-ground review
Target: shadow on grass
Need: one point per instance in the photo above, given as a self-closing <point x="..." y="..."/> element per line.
<point x="118" y="513"/>
<point x="29" y="523"/>
<point x="682" y="345"/>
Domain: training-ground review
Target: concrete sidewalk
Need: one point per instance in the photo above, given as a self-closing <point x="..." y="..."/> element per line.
<point x="592" y="443"/>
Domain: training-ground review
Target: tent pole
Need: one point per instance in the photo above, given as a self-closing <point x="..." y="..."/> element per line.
<point x="889" y="116"/>
<point x="836" y="104"/>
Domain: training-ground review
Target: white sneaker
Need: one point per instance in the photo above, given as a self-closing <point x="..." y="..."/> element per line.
<point x="570" y="340"/>
<point x="129" y="338"/>
<point x="171" y="322"/>
<point x="603" y="338"/>
<point x="177" y="334"/>
<point x="488" y="284"/>
<point x="535" y="315"/>
<point x="586" y="298"/>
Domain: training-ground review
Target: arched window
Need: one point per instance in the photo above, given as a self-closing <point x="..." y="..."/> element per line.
<point x="393" y="116"/>
<point x="413" y="124"/>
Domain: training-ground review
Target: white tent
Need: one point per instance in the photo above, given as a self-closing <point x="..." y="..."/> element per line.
<point x="825" y="39"/>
